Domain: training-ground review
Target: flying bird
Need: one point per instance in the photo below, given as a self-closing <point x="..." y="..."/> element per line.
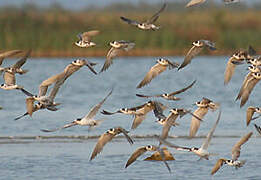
<point x="202" y="152"/>
<point x="250" y="112"/>
<point x="197" y="2"/>
<point x="147" y="25"/>
<point x="7" y="54"/>
<point x="87" y="120"/>
<point x="116" y="48"/>
<point x="108" y="136"/>
<point x="144" y="149"/>
<point x="197" y="47"/>
<point x="170" y="96"/>
<point x="157" y="157"/>
<point x="239" y="57"/>
<point x="235" y="155"/>
<point x="158" y="68"/>
<point x="85" y="39"/>
<point x="203" y="106"/>
<point x="138" y="112"/>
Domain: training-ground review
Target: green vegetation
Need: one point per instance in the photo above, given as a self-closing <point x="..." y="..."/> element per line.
<point x="51" y="32"/>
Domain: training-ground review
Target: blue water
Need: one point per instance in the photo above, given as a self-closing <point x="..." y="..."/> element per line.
<point x="28" y="153"/>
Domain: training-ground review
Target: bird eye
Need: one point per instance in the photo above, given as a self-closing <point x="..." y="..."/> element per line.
<point x="2" y="84"/>
<point x="149" y="146"/>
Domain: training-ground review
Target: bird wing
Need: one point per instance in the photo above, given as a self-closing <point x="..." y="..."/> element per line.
<point x="125" y="133"/>
<point x="167" y="143"/>
<point x="236" y="148"/>
<point x="247" y="91"/>
<point x="218" y="165"/>
<point x="209" y="44"/>
<point x="158" y="111"/>
<point x="244" y="84"/>
<point x="30" y="105"/>
<point x="108" y="113"/>
<point x="135" y="155"/>
<point x="86" y="36"/>
<point x="182" y="90"/>
<point x="56" y="88"/>
<point x="249" y="114"/>
<point x="8" y="54"/>
<point x="70" y="69"/>
<point x="21" y="62"/>
<point x="258" y="129"/>
<point x="190" y="55"/>
<point x="96" y="108"/>
<point x="89" y="65"/>
<point x="144" y="96"/>
<point x="104" y="138"/>
<point x="60" y="128"/>
<point x="195" y="123"/>
<point x="156" y="15"/>
<point x="230" y="69"/>
<point x="154" y="71"/>
<point x="210" y="134"/>
<point x="195" y="2"/>
<point x="129" y="21"/>
<point x="9" y="78"/>
<point x="44" y="85"/>
<point x="113" y="52"/>
<point x="137" y="120"/>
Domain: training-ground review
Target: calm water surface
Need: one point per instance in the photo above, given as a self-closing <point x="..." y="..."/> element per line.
<point x="28" y="153"/>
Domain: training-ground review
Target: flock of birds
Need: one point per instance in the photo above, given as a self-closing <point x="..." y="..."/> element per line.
<point x="44" y="101"/>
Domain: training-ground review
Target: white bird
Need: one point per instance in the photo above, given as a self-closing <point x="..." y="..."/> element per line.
<point x="87" y="120"/>
<point x="85" y="39"/>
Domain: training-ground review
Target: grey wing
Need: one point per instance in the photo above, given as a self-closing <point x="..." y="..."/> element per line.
<point x="8" y="54"/>
<point x="209" y="44"/>
<point x="190" y="55"/>
<point x="125" y="133"/>
<point x="230" y="69"/>
<point x="183" y="90"/>
<point x="210" y="134"/>
<point x="230" y="1"/>
<point x="102" y="141"/>
<point x="244" y="84"/>
<point x="86" y="36"/>
<point x="129" y="21"/>
<point x="165" y="130"/>
<point x="113" y="52"/>
<point x="195" y="2"/>
<point x="21" y="62"/>
<point x="247" y="91"/>
<point x="135" y="155"/>
<point x="154" y="71"/>
<point x="156" y="15"/>
<point x="167" y="143"/>
<point x="144" y="96"/>
<point x="96" y="108"/>
<point x="249" y="114"/>
<point x="137" y="120"/>
<point x="258" y="129"/>
<point x="9" y="78"/>
<point x="57" y="129"/>
<point x="195" y="123"/>
<point x="158" y="111"/>
<point x="236" y="148"/>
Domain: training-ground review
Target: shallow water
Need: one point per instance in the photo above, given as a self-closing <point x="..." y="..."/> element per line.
<point x="28" y="153"/>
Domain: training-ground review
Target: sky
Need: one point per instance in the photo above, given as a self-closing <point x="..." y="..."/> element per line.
<point x="79" y="4"/>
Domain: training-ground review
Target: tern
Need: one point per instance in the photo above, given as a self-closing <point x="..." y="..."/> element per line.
<point x="202" y="152"/>
<point x="87" y="120"/>
<point x="170" y="96"/>
<point x="116" y="48"/>
<point x="5" y="55"/>
<point x="108" y="136"/>
<point x="235" y="155"/>
<point x="144" y="149"/>
<point x="195" y="50"/>
<point x="147" y="25"/>
<point x="197" y="2"/>
<point x="200" y="112"/>
<point x="85" y="39"/>
<point x="158" y="68"/>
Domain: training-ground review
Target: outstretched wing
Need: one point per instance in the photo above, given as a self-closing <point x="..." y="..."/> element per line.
<point x="217" y="166"/>
<point x="21" y="62"/>
<point x="113" y="52"/>
<point x="135" y="155"/>
<point x="8" y="54"/>
<point x="190" y="55"/>
<point x="183" y="90"/>
<point x="129" y="21"/>
<point x="156" y="15"/>
<point x="86" y="36"/>
<point x="60" y="128"/>
<point x="195" y="2"/>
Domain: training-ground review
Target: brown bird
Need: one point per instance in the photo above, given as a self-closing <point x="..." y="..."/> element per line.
<point x="158" y="68"/>
<point x="235" y="155"/>
<point x="108" y="136"/>
<point x="6" y="55"/>
<point x="195" y="50"/>
<point x="170" y="96"/>
<point x="250" y="112"/>
<point x="157" y="157"/>
<point x="200" y="112"/>
<point x="144" y="149"/>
